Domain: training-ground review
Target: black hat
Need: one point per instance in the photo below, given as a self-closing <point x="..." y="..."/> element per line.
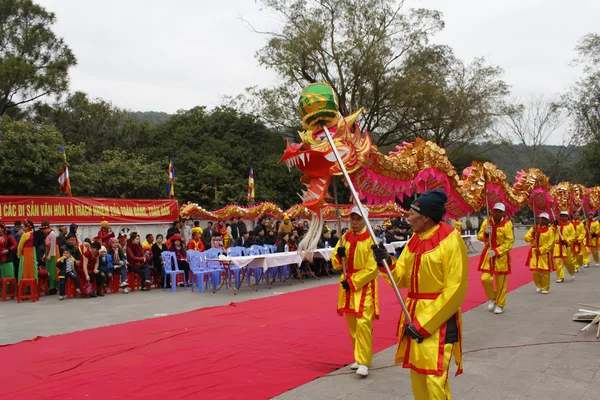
<point x="431" y="204"/>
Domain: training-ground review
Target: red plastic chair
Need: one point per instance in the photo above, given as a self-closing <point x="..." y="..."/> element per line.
<point x="43" y="285"/>
<point x="30" y="284"/>
<point x="9" y="288"/>
<point x="70" y="289"/>
<point x="134" y="281"/>
<point x="114" y="285"/>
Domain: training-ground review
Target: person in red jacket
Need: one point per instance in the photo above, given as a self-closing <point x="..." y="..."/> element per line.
<point x="105" y="234"/>
<point x="137" y="261"/>
<point x="196" y="242"/>
<point x="178" y="248"/>
<point x="8" y="246"/>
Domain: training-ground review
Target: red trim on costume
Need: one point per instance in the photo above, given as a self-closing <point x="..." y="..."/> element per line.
<point x="495" y="246"/>
<point x="423" y="296"/>
<point x="560" y="230"/>
<point x="420" y="329"/>
<point x="375" y="314"/>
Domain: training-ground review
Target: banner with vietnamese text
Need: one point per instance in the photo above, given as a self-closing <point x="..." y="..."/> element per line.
<point x="86" y="210"/>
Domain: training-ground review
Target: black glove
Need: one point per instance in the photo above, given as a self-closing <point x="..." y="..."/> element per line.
<point x="594" y="235"/>
<point x="345" y="285"/>
<point x="555" y="223"/>
<point x="564" y="243"/>
<point x="411" y="331"/>
<point x="341" y="252"/>
<point x="380" y="252"/>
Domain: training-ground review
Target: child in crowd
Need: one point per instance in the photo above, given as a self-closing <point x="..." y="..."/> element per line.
<point x="105" y="267"/>
<point x="148" y="259"/>
<point x="66" y="270"/>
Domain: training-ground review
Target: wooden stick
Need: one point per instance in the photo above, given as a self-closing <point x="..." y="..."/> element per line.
<point x="587" y="305"/>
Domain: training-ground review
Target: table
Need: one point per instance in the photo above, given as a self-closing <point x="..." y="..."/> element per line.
<point x="469" y="240"/>
<point x="392" y="246"/>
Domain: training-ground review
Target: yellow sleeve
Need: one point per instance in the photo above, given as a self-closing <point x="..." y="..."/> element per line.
<point x="369" y="270"/>
<point x="529" y="235"/>
<point x="548" y="245"/>
<point x="569" y="234"/>
<point x="581" y="232"/>
<point x="335" y="260"/>
<point x="455" y="264"/>
<point x="21" y="246"/>
<point x="509" y="239"/>
<point x="481" y="236"/>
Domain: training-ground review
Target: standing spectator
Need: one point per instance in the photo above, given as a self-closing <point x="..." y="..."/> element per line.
<point x="105" y="234"/>
<point x="207" y="235"/>
<point x="196" y="242"/>
<point x="51" y="253"/>
<point x="66" y="270"/>
<point x="157" y="249"/>
<point x="26" y="254"/>
<point x="137" y="261"/>
<point x="178" y="248"/>
<point x="174" y="230"/>
<point x="62" y="237"/>
<point x="71" y="245"/>
<point x="286" y="226"/>
<point x="187" y="231"/>
<point x="16" y="233"/>
<point x="73" y="230"/>
<point x="8" y="246"/>
<point x="119" y="263"/>
<point x="89" y="264"/>
<point x="234" y="229"/>
<point x="241" y="225"/>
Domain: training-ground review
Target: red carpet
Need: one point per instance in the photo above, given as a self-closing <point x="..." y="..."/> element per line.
<point x="251" y="350"/>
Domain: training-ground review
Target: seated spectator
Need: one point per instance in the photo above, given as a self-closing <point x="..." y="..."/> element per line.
<point x="283" y="242"/>
<point x="217" y="241"/>
<point x="260" y="237"/>
<point x="270" y="238"/>
<point x="335" y="237"/>
<point x="178" y="248"/>
<point x="119" y="263"/>
<point x="157" y="249"/>
<point x="89" y="266"/>
<point x="250" y="239"/>
<point x="149" y="241"/>
<point x="241" y="240"/>
<point x="105" y="267"/>
<point x="66" y="270"/>
<point x="137" y="261"/>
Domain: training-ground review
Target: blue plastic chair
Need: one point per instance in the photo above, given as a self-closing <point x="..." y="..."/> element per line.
<point x="199" y="271"/>
<point x="170" y="267"/>
<point x="217" y="265"/>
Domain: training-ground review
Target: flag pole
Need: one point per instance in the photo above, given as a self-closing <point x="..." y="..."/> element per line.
<point x="363" y="215"/>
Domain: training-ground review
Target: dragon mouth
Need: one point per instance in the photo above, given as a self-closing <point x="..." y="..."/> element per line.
<point x="316" y="190"/>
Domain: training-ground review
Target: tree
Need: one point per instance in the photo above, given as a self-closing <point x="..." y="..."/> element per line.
<point x="29" y="158"/>
<point x="529" y="123"/>
<point x="97" y="123"/>
<point x="34" y="62"/>
<point x="378" y="57"/>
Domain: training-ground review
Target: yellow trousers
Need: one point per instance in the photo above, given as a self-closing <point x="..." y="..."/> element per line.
<point x="586" y="255"/>
<point x="361" y="333"/>
<point x="431" y="387"/>
<point x="561" y="264"/>
<point x="498" y="295"/>
<point x="542" y="279"/>
<point x="576" y="259"/>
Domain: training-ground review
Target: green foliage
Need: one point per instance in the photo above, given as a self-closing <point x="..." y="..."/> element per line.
<point x="29" y="158"/>
<point x="34" y="62"/>
<point x="378" y="57"/>
<point x="153" y="117"/>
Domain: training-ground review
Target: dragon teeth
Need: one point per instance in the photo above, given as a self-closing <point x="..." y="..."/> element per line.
<point x="301" y="157"/>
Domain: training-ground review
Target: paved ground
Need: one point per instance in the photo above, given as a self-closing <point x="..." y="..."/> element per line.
<point x="555" y="371"/>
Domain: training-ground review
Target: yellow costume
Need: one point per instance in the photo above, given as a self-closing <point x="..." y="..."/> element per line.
<point x="502" y="239"/>
<point x="576" y="248"/>
<point x="562" y="255"/>
<point x="434" y="267"/>
<point x="361" y="303"/>
<point x="590" y="243"/>
<point x="540" y="255"/>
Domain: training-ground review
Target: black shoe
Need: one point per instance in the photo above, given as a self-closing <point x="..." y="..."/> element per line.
<point x="100" y="294"/>
<point x="93" y="295"/>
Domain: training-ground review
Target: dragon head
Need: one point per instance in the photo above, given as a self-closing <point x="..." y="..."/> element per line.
<point x="316" y="160"/>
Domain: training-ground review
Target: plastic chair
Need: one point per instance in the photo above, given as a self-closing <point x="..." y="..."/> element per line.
<point x="33" y="293"/>
<point x="211" y="256"/>
<point x="9" y="288"/>
<point x="199" y="269"/>
<point x="170" y="267"/>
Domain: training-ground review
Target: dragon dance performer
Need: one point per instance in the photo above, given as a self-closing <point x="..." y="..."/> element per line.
<point x="565" y="236"/>
<point x="539" y="260"/>
<point x="495" y="263"/>
<point x="357" y="297"/>
<point x="590" y="242"/>
<point x="433" y="266"/>
<point x="577" y="246"/>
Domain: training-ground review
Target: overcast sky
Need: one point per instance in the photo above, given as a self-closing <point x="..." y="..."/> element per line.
<point x="165" y="55"/>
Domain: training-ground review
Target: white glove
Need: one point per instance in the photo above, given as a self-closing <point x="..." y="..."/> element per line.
<point x="488" y="229"/>
<point x="492" y="253"/>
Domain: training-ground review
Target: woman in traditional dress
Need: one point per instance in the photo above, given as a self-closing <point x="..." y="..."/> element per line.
<point x="51" y="253"/>
<point x="8" y="245"/>
<point x="26" y="254"/>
